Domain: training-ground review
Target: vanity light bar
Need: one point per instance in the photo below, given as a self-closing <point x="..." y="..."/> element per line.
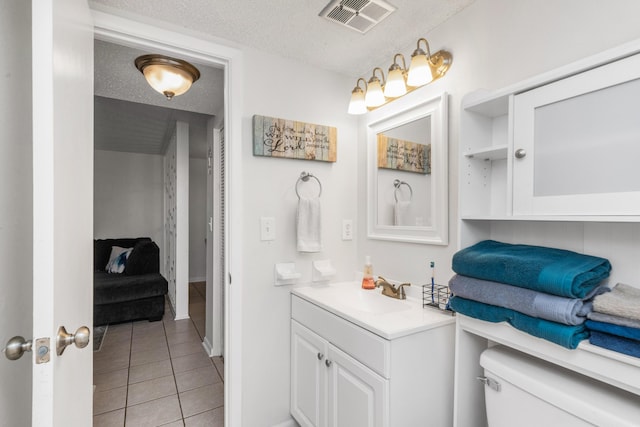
<point x="424" y="68"/>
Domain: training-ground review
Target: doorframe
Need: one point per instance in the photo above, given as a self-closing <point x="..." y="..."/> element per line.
<point x="136" y="34"/>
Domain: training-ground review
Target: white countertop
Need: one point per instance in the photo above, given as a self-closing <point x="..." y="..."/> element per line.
<point x="386" y="317"/>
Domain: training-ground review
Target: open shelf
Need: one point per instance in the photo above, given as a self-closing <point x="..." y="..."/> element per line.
<point x="488" y="153"/>
<point x="604" y="365"/>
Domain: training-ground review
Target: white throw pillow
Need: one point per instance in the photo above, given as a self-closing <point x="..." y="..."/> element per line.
<point x="117" y="259"/>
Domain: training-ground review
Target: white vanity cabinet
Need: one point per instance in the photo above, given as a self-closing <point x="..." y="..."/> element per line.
<point x="344" y="375"/>
<point x="331" y="388"/>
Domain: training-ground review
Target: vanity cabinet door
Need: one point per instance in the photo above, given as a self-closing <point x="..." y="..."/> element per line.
<point x="575" y="144"/>
<point x="358" y="397"/>
<point x="308" y="376"/>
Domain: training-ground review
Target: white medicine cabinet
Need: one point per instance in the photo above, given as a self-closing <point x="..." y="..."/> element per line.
<point x="552" y="161"/>
<point x="565" y="149"/>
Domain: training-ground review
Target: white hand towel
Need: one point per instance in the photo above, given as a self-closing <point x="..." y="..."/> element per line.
<point x="308" y="225"/>
<point x="400" y="210"/>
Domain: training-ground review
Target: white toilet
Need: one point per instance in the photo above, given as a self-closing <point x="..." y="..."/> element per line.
<point x="524" y="391"/>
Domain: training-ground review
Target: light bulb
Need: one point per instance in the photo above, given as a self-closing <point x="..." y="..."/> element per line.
<point x="374" y="96"/>
<point x="419" y="71"/>
<point x="357" y="104"/>
<point x="395" y="86"/>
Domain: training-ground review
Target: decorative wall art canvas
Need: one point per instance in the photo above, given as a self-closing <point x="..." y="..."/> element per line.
<point x="293" y="140"/>
<point x="403" y="155"/>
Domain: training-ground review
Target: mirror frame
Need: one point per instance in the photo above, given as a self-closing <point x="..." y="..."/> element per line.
<point x="404" y="110"/>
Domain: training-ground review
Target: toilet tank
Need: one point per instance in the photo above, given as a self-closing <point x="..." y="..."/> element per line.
<point x="524" y="391"/>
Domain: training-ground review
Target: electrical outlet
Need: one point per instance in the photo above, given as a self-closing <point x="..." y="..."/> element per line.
<point x="347" y="229"/>
<point x="267" y="228"/>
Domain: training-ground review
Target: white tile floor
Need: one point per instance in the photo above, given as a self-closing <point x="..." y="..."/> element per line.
<point x="158" y="374"/>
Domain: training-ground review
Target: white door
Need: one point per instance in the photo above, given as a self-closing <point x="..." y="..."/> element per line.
<point x="15" y="209"/>
<point x="47" y="214"/>
<point x="358" y="397"/>
<point x="308" y="376"/>
<point x="576" y="144"/>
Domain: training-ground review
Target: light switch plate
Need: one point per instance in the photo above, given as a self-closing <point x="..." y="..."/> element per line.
<point x="267" y="228"/>
<point x="347" y="229"/>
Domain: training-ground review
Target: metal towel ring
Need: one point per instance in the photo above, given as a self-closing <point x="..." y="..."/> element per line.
<point x="397" y="183"/>
<point x="304" y="176"/>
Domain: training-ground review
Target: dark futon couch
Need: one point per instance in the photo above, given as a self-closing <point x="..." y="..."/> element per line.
<point x="137" y="293"/>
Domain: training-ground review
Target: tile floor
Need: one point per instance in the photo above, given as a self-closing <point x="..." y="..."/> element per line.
<point x="158" y="374"/>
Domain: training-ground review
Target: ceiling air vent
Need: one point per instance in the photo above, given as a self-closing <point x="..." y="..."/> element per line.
<point x="359" y="15"/>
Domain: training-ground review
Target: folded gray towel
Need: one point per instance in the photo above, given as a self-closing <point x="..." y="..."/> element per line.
<point x="622" y="301"/>
<point x="567" y="311"/>
<point x="615" y="320"/>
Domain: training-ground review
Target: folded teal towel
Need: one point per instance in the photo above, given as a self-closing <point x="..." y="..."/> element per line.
<point x="553" y="271"/>
<point x="609" y="328"/>
<point x="615" y="343"/>
<point x="568" y="311"/>
<point x="564" y="335"/>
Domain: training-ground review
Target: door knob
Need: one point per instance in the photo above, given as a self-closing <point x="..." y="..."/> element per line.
<point x="328" y="363"/>
<point x="80" y="338"/>
<point x="520" y="153"/>
<point x="16" y="347"/>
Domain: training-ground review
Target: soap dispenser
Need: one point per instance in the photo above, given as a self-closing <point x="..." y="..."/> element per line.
<point x="367" y="278"/>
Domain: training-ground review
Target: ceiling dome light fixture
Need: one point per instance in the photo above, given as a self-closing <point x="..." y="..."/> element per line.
<point x="424" y="69"/>
<point x="169" y="76"/>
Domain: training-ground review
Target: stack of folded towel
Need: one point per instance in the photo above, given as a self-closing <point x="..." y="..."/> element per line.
<point x="615" y="321"/>
<point x="545" y="292"/>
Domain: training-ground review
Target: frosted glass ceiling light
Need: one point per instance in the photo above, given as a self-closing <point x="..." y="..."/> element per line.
<point x="374" y="96"/>
<point x="396" y="85"/>
<point x="357" y="105"/>
<point x="169" y="76"/>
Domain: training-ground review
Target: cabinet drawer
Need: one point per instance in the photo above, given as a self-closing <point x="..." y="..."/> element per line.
<point x="362" y="345"/>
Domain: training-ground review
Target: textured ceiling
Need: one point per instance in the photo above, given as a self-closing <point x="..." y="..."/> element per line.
<point x="288" y="28"/>
<point x="292" y="28"/>
<point x="130" y="116"/>
<point x="117" y="77"/>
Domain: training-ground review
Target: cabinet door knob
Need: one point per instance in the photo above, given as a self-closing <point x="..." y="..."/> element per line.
<point x="328" y="362"/>
<point x="320" y="356"/>
<point x="520" y="153"/>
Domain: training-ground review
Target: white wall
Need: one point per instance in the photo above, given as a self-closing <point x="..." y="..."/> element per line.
<point x="494" y="43"/>
<point x="128" y="195"/>
<point x="278" y="87"/>
<point x="182" y="220"/>
<point x="197" y="219"/>
<point x="128" y="201"/>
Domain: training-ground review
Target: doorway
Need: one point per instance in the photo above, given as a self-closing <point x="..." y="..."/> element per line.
<point x="118" y="30"/>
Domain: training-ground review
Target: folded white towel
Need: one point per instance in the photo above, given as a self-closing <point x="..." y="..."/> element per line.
<point x="623" y="301"/>
<point x="400" y="210"/>
<point x="308" y="225"/>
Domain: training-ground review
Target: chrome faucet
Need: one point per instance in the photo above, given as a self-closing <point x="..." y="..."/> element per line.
<point x="390" y="290"/>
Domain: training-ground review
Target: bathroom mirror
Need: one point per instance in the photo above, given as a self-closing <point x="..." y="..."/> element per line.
<point x="407" y="161"/>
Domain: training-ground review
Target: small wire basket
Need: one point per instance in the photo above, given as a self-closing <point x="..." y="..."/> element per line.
<point x="436" y="296"/>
